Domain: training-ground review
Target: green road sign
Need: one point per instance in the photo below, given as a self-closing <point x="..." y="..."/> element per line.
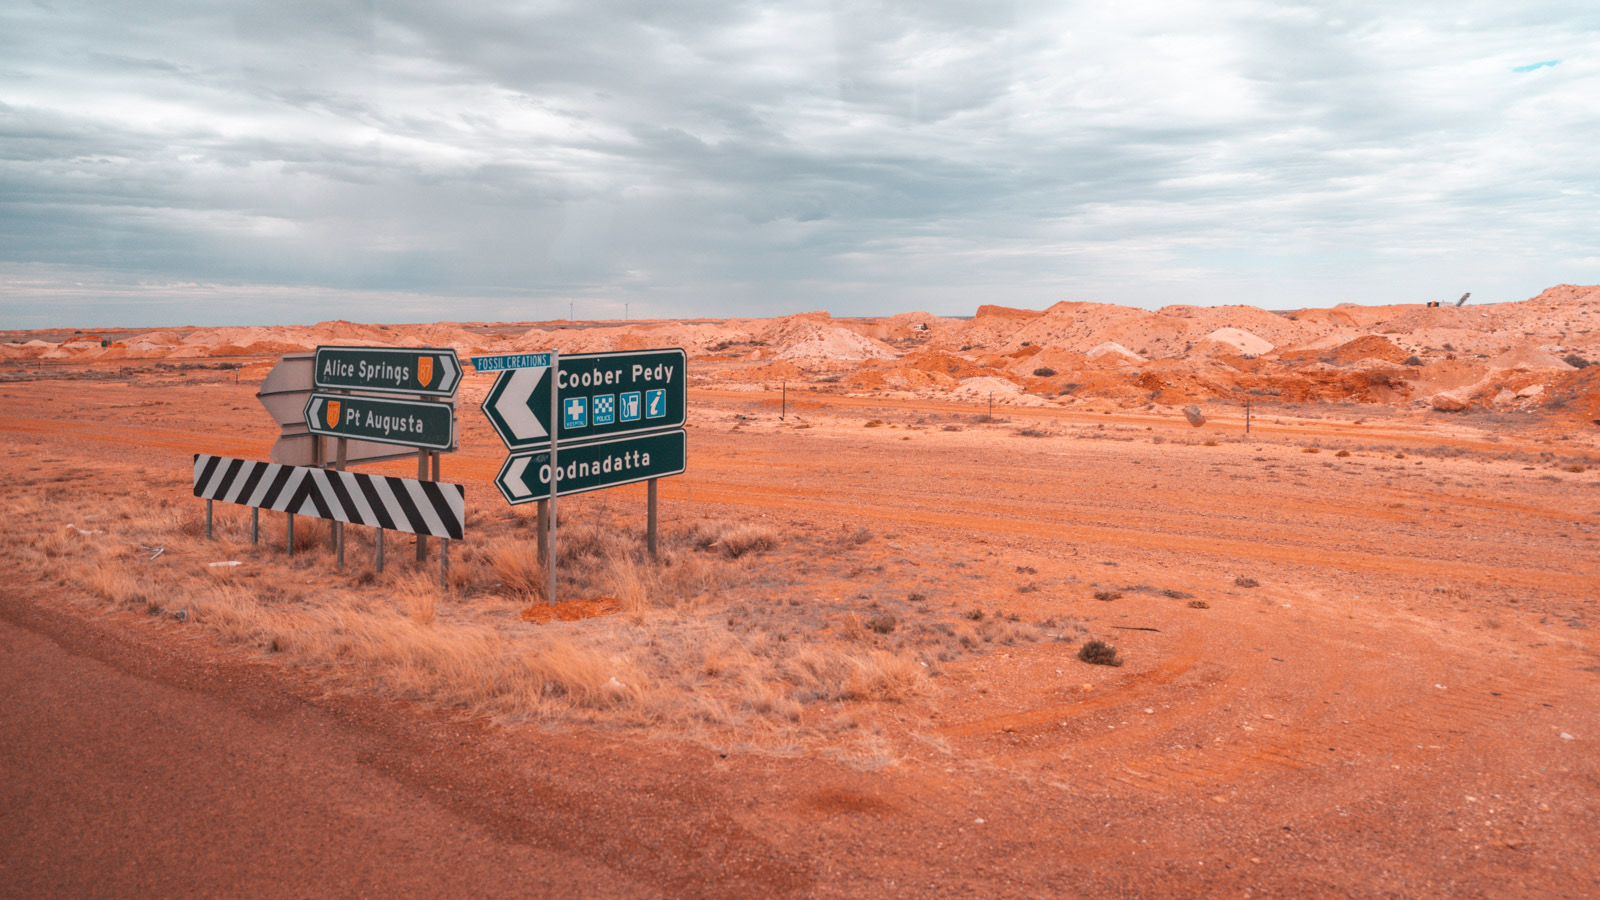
<point x="430" y="371"/>
<point x="592" y="466"/>
<point x="599" y="394"/>
<point x="409" y="423"/>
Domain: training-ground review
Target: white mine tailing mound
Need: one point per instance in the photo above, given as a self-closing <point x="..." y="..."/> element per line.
<point x="1245" y="342"/>
<point x="1003" y="391"/>
<point x="1099" y="350"/>
<point x="836" y="343"/>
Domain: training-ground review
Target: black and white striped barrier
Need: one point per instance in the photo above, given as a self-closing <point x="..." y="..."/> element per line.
<point x="433" y="508"/>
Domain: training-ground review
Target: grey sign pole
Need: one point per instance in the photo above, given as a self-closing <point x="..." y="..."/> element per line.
<point x="555" y="413"/>
<point x="650" y="525"/>
<point x="543" y="529"/>
<point x="422" y="475"/>
<point x="338" y="527"/>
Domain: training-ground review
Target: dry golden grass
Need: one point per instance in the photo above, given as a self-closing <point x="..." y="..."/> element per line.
<point x="516" y="564"/>
<point x="419" y="596"/>
<point x="112" y="583"/>
<point x="680" y="658"/>
<point x="732" y="539"/>
<point x="478" y="668"/>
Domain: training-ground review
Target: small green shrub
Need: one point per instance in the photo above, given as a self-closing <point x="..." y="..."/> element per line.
<point x="883" y="624"/>
<point x="1099" y="653"/>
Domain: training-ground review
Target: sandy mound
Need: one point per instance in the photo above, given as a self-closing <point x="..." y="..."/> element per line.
<point x="899" y="378"/>
<point x="1112" y="352"/>
<point x="1528" y="355"/>
<point x="1369" y="346"/>
<point x="1244" y="342"/>
<point x="1047" y="359"/>
<point x="835" y="344"/>
<point x="943" y="363"/>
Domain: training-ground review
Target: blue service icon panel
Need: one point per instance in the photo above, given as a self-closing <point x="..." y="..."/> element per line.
<point x="655" y="404"/>
<point x="575" y="412"/>
<point x="631" y="406"/>
<point x="605" y="409"/>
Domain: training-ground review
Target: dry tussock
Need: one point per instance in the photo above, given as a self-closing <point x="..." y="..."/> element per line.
<point x="419" y="597"/>
<point x="515" y="563"/>
<point x="113" y="584"/>
<point x="309" y="534"/>
<point x="732" y="539"/>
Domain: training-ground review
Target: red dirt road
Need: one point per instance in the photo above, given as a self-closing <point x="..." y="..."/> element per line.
<point x="1403" y="706"/>
<point x="122" y="774"/>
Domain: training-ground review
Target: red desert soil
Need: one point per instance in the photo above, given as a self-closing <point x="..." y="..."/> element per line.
<point x="1403" y="703"/>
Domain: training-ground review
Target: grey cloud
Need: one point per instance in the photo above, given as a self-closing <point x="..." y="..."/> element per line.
<point x="747" y="158"/>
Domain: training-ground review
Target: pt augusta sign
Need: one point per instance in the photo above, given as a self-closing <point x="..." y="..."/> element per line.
<point x="410" y="423"/>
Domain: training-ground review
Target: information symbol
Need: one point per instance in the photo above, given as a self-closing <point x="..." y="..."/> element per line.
<point x="655" y="403"/>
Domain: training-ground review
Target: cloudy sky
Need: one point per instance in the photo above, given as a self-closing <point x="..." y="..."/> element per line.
<point x="196" y="161"/>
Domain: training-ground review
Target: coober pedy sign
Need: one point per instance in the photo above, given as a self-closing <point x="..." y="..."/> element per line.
<point x="584" y="422"/>
<point x="598" y="395"/>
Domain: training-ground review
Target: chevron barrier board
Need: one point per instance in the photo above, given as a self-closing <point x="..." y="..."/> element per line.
<point x="433" y="508"/>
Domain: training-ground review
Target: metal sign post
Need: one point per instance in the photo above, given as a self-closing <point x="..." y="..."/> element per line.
<point x="650" y="524"/>
<point x="550" y="552"/>
<point x="422" y="475"/>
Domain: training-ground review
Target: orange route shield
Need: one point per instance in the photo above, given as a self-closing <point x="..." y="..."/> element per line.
<point x="333" y="414"/>
<point x="425" y="370"/>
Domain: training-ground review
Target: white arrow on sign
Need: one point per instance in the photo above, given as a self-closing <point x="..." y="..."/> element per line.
<point x="515" y="409"/>
<point x="512" y="483"/>
<point x="449" y="373"/>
